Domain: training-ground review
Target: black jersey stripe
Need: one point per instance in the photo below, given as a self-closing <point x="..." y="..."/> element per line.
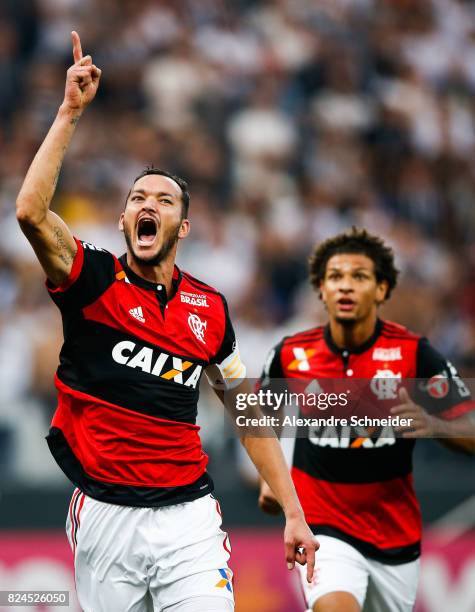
<point x="389" y="556"/>
<point x="97" y="374"/>
<point x="354" y="466"/>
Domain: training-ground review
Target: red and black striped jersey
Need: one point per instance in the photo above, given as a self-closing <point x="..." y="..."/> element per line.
<point x="125" y="428"/>
<point x="361" y="489"/>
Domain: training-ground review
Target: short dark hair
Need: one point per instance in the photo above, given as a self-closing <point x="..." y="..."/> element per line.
<point x="355" y="241"/>
<point x="185" y="195"/>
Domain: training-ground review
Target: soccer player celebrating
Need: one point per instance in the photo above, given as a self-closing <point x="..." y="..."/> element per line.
<point x="357" y="492"/>
<point x="138" y="334"/>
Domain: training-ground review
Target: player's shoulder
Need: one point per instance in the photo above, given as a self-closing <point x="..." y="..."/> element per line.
<point x="199" y="284"/>
<point x="306" y="336"/>
<point x="98" y="258"/>
<point x="391" y="330"/>
<point x="89" y="247"/>
<point x="98" y="253"/>
<point x="196" y="292"/>
<point x="284" y="352"/>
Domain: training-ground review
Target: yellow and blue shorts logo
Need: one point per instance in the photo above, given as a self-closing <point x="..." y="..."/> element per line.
<point x="226" y="580"/>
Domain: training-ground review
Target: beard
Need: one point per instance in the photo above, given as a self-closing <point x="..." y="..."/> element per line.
<point x="154" y="260"/>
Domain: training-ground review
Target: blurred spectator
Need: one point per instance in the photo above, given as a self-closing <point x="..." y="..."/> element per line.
<point x="291" y="120"/>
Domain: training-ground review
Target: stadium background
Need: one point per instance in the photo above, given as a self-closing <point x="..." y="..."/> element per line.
<point x="291" y="120"/>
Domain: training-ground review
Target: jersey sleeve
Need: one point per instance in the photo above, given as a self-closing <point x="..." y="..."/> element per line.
<point x="439" y="388"/>
<point x="226" y="370"/>
<point x="92" y="272"/>
<point x="272" y="369"/>
<point x="272" y="376"/>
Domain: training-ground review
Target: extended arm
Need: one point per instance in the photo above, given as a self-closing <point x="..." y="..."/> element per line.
<point x="48" y="234"/>
<point x="265" y="452"/>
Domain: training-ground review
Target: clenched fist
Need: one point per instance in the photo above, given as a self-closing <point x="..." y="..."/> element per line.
<point x="82" y="79"/>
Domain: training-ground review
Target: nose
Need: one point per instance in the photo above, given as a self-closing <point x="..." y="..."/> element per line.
<point x="346" y="284"/>
<point x="149" y="204"/>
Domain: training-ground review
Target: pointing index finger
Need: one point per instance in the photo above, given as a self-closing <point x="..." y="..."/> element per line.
<point x="310" y="564"/>
<point x="77" y="49"/>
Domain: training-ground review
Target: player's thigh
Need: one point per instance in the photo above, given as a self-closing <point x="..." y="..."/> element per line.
<point x="119" y="595"/>
<point x="392" y="588"/>
<point x="196" y="563"/>
<point x="340" y="568"/>
<point x="108" y="572"/>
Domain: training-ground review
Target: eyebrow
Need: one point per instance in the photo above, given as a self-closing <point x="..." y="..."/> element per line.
<point x="156" y="193"/>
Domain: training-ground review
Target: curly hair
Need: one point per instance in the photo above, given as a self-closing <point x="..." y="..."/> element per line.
<point x="355" y="241"/>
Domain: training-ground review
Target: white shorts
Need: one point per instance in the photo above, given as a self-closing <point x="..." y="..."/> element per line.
<point x="378" y="587"/>
<point x="150" y="559"/>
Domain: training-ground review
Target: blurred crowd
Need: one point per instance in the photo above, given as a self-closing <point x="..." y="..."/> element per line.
<point x="290" y="119"/>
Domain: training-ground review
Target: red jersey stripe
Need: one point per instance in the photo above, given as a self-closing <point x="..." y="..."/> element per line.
<point x="394" y="522"/>
<point x="116" y="445"/>
<point x="458" y="410"/>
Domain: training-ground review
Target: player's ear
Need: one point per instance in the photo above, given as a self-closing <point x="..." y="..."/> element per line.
<point x="322" y="292"/>
<point x="121" y="222"/>
<point x="381" y="291"/>
<point x="184" y="228"/>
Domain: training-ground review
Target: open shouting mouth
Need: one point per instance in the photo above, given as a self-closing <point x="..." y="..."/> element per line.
<point x="146" y="231"/>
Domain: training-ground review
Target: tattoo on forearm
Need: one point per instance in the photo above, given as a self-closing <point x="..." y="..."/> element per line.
<point x="56" y="176"/>
<point x="64" y="252"/>
<point x="74" y="120"/>
<point x="58" y="169"/>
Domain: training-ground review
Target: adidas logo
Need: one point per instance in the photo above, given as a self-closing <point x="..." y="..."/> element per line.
<point x="137" y="314"/>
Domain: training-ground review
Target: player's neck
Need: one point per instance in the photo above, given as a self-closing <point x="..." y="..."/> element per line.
<point x="351" y="336"/>
<point x="161" y="274"/>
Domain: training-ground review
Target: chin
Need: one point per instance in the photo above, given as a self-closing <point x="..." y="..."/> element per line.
<point x="348" y="319"/>
<point x="148" y="257"/>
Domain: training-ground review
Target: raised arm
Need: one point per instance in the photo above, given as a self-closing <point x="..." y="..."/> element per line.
<point x="47" y="233"/>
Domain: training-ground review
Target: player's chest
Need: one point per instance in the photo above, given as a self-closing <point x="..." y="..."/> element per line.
<point x="382" y="361"/>
<point x="183" y="326"/>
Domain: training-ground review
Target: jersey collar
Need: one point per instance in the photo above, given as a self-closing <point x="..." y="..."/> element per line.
<point x="137" y="280"/>
<point x="356" y="350"/>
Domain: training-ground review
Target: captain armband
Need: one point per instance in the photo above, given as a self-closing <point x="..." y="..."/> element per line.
<point x="229" y="373"/>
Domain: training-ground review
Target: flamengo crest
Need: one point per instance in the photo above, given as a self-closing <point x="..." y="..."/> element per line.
<point x="197" y="326"/>
<point x="384" y="384"/>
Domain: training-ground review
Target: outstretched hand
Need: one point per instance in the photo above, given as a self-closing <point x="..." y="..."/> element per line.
<point x="82" y="79"/>
<point x="421" y="424"/>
